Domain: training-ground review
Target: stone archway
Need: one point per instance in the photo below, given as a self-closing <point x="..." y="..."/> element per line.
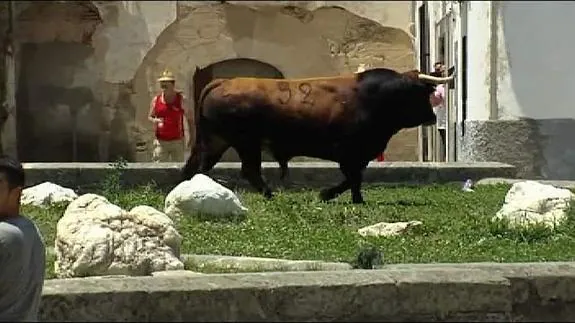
<point x="300" y="42"/>
<point x="55" y="82"/>
<point x="237" y="67"/>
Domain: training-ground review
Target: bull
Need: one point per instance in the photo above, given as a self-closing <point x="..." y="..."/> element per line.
<point x="347" y="119"/>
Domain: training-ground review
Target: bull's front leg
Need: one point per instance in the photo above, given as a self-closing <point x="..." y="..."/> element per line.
<point x="353" y="177"/>
<point x="251" y="158"/>
<point x="333" y="192"/>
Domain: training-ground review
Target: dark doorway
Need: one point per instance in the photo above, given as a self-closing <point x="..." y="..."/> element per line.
<point x="239" y="67"/>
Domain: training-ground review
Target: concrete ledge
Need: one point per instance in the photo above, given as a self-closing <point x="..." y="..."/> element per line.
<point x="511" y="181"/>
<point x="258" y="264"/>
<point x="314" y="174"/>
<point x="436" y="292"/>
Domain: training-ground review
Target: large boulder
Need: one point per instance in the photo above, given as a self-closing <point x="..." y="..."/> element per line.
<point x="98" y="238"/>
<point x="47" y="194"/>
<point x="202" y="194"/>
<point x="530" y="202"/>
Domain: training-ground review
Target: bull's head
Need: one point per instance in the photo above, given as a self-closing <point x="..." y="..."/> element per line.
<point x="429" y="83"/>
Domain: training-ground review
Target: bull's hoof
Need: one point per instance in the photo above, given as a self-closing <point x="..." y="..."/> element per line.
<point x="326" y="195"/>
<point x="268" y="194"/>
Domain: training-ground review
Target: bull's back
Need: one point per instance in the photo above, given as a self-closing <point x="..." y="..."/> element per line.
<point x="327" y="99"/>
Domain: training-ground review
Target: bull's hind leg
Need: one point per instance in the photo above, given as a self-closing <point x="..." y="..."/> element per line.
<point x="251" y="157"/>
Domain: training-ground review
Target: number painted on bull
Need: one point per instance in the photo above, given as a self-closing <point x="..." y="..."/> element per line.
<point x="305" y="89"/>
<point x="285" y="91"/>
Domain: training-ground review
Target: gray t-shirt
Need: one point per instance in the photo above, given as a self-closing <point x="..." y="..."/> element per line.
<point x="22" y="263"/>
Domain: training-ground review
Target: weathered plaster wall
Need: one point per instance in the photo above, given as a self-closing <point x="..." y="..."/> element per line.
<point x="133" y="41"/>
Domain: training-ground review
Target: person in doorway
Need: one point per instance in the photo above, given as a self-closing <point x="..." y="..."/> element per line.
<point x="167" y="112"/>
<point x="22" y="250"/>
<point x="438" y="104"/>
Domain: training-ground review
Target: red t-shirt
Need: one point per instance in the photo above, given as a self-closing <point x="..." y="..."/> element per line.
<point x="172" y="115"/>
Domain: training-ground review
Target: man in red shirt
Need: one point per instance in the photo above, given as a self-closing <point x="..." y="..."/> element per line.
<point x="167" y="112"/>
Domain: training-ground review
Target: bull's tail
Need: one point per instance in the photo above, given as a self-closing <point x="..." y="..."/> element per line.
<point x="198" y="110"/>
<point x="193" y="162"/>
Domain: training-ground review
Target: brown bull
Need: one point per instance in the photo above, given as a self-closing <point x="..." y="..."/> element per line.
<point x="347" y="119"/>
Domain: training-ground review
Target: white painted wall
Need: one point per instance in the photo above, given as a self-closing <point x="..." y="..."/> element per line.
<point x="479" y="82"/>
<point x="536" y="51"/>
<point x="520" y="58"/>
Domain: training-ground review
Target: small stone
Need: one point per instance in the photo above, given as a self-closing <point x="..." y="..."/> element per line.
<point x="388" y="229"/>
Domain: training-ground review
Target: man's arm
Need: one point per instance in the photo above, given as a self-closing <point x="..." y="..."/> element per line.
<point x="151" y="113"/>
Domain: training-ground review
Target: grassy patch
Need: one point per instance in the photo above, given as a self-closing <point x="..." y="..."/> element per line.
<point x="294" y="225"/>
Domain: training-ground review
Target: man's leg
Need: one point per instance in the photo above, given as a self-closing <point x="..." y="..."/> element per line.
<point x="174" y="149"/>
<point x="160" y="152"/>
<point x="177" y="149"/>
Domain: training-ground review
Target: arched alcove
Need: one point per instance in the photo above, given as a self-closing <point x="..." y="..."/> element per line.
<point x="56" y="81"/>
<point x="311" y="41"/>
<point x="229" y="68"/>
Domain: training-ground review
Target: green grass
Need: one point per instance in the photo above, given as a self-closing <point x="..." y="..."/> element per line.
<point x="294" y="225"/>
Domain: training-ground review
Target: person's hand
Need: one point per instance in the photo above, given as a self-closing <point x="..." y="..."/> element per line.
<point x="435" y="101"/>
<point x="190" y="143"/>
<point x="156" y="120"/>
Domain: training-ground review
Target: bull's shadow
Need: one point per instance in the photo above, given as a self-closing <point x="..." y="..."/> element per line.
<point x="241" y="185"/>
<point x="374" y="203"/>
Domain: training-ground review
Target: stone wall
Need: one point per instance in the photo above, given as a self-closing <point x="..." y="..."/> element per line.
<point x="307" y="174"/>
<point x="479" y="292"/>
<point x="91" y="66"/>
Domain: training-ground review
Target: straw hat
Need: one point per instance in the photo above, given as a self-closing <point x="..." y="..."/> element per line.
<point x="166" y="76"/>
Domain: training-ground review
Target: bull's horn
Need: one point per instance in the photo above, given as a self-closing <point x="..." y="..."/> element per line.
<point x="435" y="79"/>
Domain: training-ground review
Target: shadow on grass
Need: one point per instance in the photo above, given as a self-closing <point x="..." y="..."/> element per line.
<point x="228" y="218"/>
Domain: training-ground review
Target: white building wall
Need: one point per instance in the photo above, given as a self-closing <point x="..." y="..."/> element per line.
<point x="536" y="60"/>
<point x="520" y="75"/>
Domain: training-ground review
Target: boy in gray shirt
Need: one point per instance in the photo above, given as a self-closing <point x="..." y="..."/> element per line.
<point x="22" y="251"/>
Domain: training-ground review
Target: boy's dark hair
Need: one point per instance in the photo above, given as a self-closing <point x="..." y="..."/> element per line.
<point x="13" y="171"/>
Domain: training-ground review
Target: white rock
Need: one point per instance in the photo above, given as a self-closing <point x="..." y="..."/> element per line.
<point x="202" y="194"/>
<point x="46" y="194"/>
<point x="98" y="238"/>
<point x="387" y="229"/>
<point x="530" y="202"/>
